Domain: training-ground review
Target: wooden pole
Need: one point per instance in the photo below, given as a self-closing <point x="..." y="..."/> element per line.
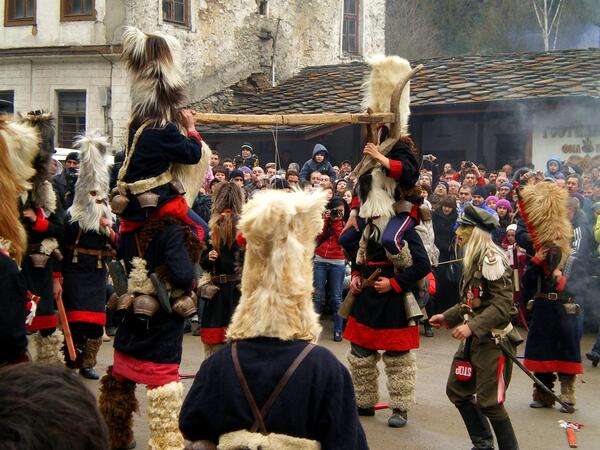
<point x="293" y="119"/>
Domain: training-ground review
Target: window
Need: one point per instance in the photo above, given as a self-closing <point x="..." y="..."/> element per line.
<point x="7" y="102"/>
<point x="71" y="117"/>
<point x="350" y="30"/>
<point x="176" y="11"/>
<point x="262" y="7"/>
<point x="74" y="10"/>
<point x="19" y="12"/>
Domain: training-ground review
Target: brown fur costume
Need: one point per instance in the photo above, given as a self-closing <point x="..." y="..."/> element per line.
<point x="156" y="225"/>
<point x="117" y="404"/>
<point x="544" y="209"/>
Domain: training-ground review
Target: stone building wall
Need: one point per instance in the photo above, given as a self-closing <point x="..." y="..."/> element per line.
<point x="228" y="50"/>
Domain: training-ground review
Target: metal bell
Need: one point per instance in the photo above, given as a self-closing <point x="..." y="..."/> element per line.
<point x="99" y="263"/>
<point x="75" y="258"/>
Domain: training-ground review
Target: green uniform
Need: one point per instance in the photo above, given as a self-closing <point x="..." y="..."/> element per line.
<point x="491" y="304"/>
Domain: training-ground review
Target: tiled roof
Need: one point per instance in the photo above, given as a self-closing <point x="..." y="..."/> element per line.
<point x="443" y="81"/>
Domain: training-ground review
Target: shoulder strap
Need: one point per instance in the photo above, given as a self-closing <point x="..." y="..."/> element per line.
<point x="259" y="423"/>
<point x="129" y="151"/>
<point x="242" y="379"/>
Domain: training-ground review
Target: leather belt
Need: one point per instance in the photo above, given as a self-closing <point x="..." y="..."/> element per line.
<point x="554" y="296"/>
<point x="222" y="279"/>
<point x="87" y="251"/>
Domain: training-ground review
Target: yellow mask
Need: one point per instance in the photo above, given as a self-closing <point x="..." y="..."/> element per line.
<point x="463" y="234"/>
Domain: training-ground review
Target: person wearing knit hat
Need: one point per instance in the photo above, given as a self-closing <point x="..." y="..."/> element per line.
<point x="505" y="204"/>
<point x="491" y="202"/>
<point x="484" y="310"/>
<point x="247" y="171"/>
<point x="237" y="176"/>
<point x="479" y="196"/>
<point x="503" y="190"/>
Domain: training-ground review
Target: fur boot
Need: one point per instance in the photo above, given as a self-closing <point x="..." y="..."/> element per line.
<point x="164" y="403"/>
<point x="90" y="351"/>
<point x="567" y="388"/>
<point x="49" y="349"/>
<point x="364" y="374"/>
<point x="401" y="372"/>
<point x="540" y="398"/>
<point x="211" y="349"/>
<point x="117" y="404"/>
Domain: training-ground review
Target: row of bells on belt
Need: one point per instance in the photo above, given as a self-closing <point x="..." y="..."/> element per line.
<point x="145" y="306"/>
<point x="119" y="202"/>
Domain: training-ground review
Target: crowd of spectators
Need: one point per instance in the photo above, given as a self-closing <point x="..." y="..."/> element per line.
<point x="445" y="189"/>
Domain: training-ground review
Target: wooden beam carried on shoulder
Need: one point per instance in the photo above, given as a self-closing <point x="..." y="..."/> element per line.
<point x="294" y="119"/>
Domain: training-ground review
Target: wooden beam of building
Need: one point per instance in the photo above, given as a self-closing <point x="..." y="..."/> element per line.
<point x="293" y="119"/>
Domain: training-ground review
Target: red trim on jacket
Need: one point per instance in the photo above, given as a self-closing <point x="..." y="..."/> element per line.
<point x="568" y="367"/>
<point x="213" y="335"/>
<point x="395" y="286"/>
<point x="98" y="318"/>
<point x="355" y="203"/>
<point x="399" y="339"/>
<point x="240" y="240"/>
<point x="176" y="207"/>
<point x="144" y="372"/>
<point x="560" y="286"/>
<point x="43" y="323"/>
<point x="193" y="134"/>
<point x="535" y="260"/>
<point x="57" y="275"/>
<point x="41" y="224"/>
<point x="395" y="169"/>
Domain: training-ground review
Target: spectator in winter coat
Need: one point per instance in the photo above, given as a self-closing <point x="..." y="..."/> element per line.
<point x="552" y="168"/>
<point x="246" y="157"/>
<point x="318" y="163"/>
<point x="330" y="263"/>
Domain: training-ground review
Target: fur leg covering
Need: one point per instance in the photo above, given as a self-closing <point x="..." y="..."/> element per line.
<point x="90" y="351"/>
<point x="567" y="388"/>
<point x="211" y="349"/>
<point x="401" y="372"/>
<point x="164" y="403"/>
<point x="49" y="349"/>
<point x="364" y="374"/>
<point x="117" y="404"/>
<point x="538" y="394"/>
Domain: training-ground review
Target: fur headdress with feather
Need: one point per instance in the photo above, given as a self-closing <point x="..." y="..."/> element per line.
<point x="90" y="203"/>
<point x="153" y="63"/>
<point x="386" y="73"/>
<point x="280" y="230"/>
<point x="41" y="194"/>
<point x="544" y="208"/>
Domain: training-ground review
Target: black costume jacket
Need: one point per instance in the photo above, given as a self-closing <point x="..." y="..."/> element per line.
<point x="84" y="277"/>
<point x="218" y="311"/>
<point x="155" y="151"/>
<point x="317" y="403"/>
<point x="160" y="339"/>
<point x="39" y="281"/>
<point x="13" y="301"/>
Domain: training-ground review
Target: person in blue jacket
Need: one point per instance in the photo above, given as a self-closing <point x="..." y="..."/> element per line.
<point x="319" y="162"/>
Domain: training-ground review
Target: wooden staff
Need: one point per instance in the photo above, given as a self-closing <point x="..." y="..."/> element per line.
<point x="65" y="326"/>
<point x="295" y="119"/>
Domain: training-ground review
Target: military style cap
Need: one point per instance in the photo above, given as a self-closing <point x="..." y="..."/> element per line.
<point x="477" y="217"/>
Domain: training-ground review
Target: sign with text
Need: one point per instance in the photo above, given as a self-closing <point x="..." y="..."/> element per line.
<point x="570" y="134"/>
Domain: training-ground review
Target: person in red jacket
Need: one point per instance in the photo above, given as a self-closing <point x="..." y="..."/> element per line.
<point x="330" y="263"/>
